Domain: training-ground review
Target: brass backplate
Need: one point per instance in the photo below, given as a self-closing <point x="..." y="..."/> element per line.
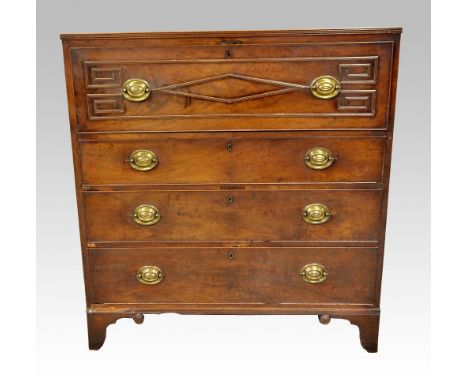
<point x="146" y="214"/>
<point x="316" y="213"/>
<point x="318" y="158"/>
<point x="313" y="273"/>
<point x="136" y="90"/>
<point x="150" y="274"/>
<point x="143" y="160"/>
<point x="325" y="87"/>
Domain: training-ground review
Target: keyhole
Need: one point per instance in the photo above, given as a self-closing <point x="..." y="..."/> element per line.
<point x="231" y="255"/>
<point x="229" y="147"/>
<point x="228" y="54"/>
<point x="230" y="199"/>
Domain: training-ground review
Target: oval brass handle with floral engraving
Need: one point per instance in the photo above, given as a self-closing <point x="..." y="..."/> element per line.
<point x="325" y="87"/>
<point x="136" y="90"/>
<point x="319" y="158"/>
<point x="142" y="160"/>
<point x="316" y="213"/>
<point x="150" y="274"/>
<point x="146" y="214"/>
<point x="313" y="273"/>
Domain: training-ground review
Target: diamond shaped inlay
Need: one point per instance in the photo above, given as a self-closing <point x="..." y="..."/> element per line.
<point x="284" y="87"/>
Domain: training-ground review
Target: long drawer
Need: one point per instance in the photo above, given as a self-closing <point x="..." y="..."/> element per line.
<point x="247" y="275"/>
<point x="265" y="86"/>
<point x="236" y="160"/>
<point x="254" y="215"/>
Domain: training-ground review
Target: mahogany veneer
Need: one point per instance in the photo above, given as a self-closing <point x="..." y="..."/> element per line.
<point x="244" y="172"/>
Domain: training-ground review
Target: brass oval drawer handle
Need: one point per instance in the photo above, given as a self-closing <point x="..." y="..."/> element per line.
<point x="313" y="273"/>
<point x="316" y="213"/>
<point x="136" y="90"/>
<point x="146" y="215"/>
<point x="319" y="158"/>
<point x="142" y="160"/>
<point x="150" y="274"/>
<point x="325" y="87"/>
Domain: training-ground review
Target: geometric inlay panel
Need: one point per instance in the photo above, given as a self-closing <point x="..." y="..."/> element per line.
<point x="282" y="88"/>
<point x="358" y="73"/>
<point x="358" y="101"/>
<point x="97" y="77"/>
<point x="230" y="88"/>
<point x="105" y="104"/>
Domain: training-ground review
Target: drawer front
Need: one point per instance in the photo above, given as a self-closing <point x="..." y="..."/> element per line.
<point x="212" y="216"/>
<point x="208" y="161"/>
<point x="248" y="275"/>
<point x="200" y="88"/>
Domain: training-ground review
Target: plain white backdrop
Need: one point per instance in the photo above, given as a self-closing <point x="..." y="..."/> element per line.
<point x="172" y="347"/>
<point x="237" y="348"/>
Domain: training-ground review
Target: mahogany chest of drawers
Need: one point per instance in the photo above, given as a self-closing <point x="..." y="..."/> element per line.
<point x="233" y="172"/>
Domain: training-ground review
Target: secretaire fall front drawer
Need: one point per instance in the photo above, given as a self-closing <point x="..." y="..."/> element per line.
<point x="210" y="216"/>
<point x="233" y="160"/>
<point x="285" y="86"/>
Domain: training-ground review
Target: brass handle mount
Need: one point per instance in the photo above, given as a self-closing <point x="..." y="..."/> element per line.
<point x="150" y="274"/>
<point x="136" y="90"/>
<point x="319" y="158"/>
<point x="142" y="160"/>
<point x="316" y="213"/>
<point x="146" y="214"/>
<point x="325" y="87"/>
<point x="313" y="273"/>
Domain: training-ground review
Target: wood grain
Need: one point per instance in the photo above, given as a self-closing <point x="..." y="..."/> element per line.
<point x="247" y="160"/>
<point x="234" y="276"/>
<point x="298" y="64"/>
<point x="252" y="216"/>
